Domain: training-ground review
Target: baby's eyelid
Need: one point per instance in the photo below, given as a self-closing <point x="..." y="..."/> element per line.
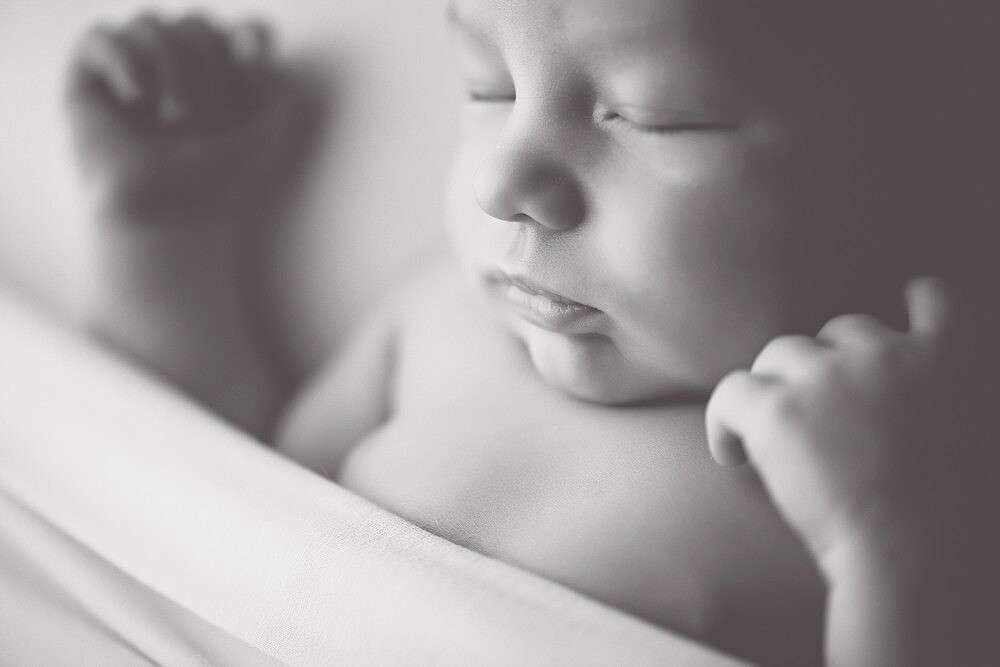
<point x="683" y="123"/>
<point x="491" y="96"/>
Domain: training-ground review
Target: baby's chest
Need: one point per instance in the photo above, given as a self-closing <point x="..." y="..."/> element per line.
<point x="535" y="487"/>
<point x="632" y="524"/>
<point x="478" y="450"/>
<point x="464" y="458"/>
<point x="622" y="504"/>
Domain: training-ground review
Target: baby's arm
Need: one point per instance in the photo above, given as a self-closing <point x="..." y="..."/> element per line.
<point x="180" y="127"/>
<point x="348" y="399"/>
<point x="844" y="431"/>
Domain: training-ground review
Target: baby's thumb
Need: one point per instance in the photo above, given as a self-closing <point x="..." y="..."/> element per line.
<point x="930" y="306"/>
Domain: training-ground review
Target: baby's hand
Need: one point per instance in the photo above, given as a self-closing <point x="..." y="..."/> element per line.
<point x="178" y="120"/>
<point x="840" y="427"/>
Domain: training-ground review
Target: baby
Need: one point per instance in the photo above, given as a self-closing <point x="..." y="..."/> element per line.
<point x="647" y="194"/>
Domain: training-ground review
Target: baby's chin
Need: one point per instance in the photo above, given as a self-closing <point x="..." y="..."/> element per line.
<point x="591" y="368"/>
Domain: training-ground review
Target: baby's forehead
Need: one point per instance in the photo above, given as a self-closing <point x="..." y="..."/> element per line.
<point x="596" y="23"/>
<point x="800" y="50"/>
<point x="611" y="30"/>
<point x="713" y="45"/>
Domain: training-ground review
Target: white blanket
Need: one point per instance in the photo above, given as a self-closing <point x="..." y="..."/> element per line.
<point x="136" y="528"/>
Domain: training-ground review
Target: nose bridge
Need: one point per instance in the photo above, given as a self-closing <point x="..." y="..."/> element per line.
<point x="528" y="176"/>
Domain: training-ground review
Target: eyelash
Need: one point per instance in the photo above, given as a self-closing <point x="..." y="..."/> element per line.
<point x="490" y="98"/>
<point x="668" y="129"/>
<point x="614" y="117"/>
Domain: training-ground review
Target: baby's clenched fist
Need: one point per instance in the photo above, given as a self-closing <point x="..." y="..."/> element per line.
<point x="178" y="120"/>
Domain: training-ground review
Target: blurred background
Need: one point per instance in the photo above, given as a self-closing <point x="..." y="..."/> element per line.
<point x="371" y="205"/>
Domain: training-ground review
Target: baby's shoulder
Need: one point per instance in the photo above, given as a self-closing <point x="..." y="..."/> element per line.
<point x="436" y="308"/>
<point x="422" y="295"/>
<point x="424" y="341"/>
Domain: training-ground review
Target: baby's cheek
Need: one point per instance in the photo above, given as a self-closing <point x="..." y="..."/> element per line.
<point x="679" y="160"/>
<point x="698" y="271"/>
<point x="659" y="238"/>
<point x="670" y="206"/>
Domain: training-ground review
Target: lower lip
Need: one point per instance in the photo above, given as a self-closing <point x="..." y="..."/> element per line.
<point x="542" y="310"/>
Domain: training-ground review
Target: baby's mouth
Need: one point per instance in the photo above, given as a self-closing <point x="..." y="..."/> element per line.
<point x="539" y="306"/>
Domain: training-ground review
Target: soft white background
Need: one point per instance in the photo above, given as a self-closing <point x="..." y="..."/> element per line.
<point x="372" y="207"/>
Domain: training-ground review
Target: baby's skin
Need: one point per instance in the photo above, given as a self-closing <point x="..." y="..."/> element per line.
<point x="623" y="503"/>
<point x="642" y="205"/>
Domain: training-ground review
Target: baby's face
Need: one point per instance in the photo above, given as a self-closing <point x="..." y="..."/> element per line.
<point x="639" y="194"/>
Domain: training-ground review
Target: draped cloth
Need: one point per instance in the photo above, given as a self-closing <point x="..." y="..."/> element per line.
<point x="137" y="528"/>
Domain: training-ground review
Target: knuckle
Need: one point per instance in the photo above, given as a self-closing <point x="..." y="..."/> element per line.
<point x="201" y="39"/>
<point x="884" y="354"/>
<point x="834" y="324"/>
<point x="148" y="17"/>
<point x="250" y="39"/>
<point x="827" y="371"/>
<point x="765" y="359"/>
<point x="96" y="38"/>
<point x="734" y="380"/>
<point x="146" y="29"/>
<point x="797" y="343"/>
<point x="785" y="351"/>
<point x="196" y="24"/>
<point x="854" y="324"/>
<point x="727" y="386"/>
<point x="193" y="18"/>
<point x="774" y="344"/>
<point x="781" y="406"/>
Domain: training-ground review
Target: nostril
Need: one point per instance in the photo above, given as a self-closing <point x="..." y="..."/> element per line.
<point x="527" y="188"/>
<point x="558" y="204"/>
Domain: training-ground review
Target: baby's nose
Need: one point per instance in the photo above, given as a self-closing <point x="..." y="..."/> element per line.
<point x="529" y="189"/>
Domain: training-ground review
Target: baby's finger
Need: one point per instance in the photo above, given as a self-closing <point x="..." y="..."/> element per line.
<point x="102" y="61"/>
<point x="250" y="43"/>
<point x="206" y="59"/>
<point x="148" y="36"/>
<point x="788" y="355"/>
<point x="929" y="304"/>
<point x="728" y="415"/>
<point x="853" y="330"/>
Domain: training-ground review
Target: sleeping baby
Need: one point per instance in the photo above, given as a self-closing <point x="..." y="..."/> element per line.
<point x="655" y="207"/>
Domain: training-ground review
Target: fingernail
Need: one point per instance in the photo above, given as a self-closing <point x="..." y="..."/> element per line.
<point x="248" y="43"/>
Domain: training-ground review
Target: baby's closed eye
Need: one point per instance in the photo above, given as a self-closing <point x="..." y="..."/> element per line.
<point x="490" y="94"/>
<point x="663" y="123"/>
